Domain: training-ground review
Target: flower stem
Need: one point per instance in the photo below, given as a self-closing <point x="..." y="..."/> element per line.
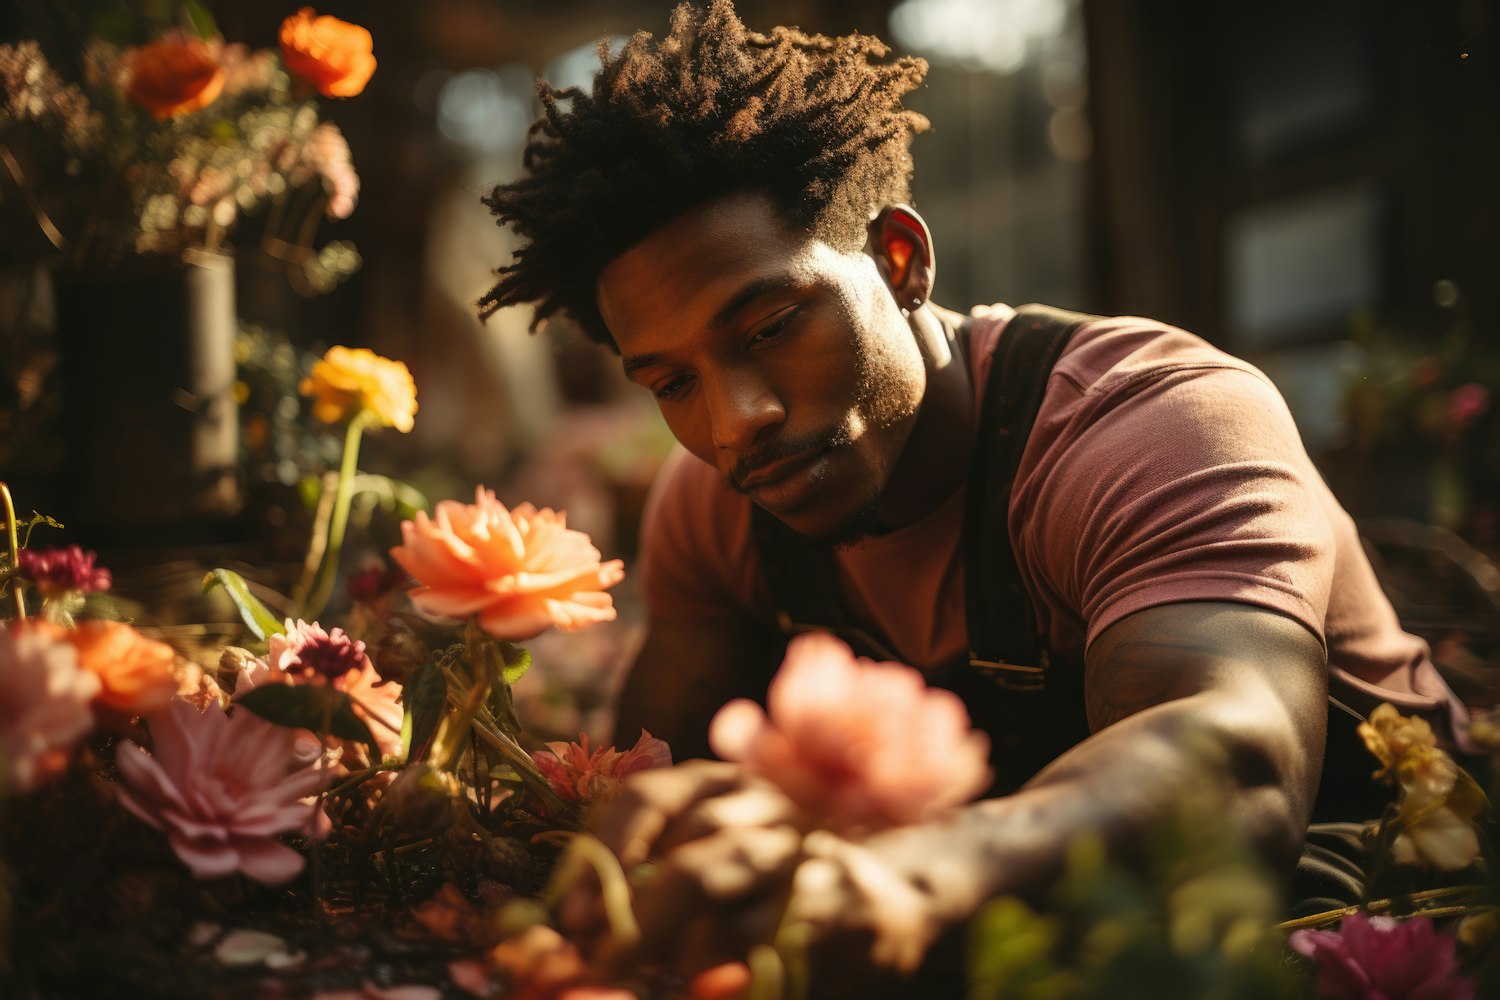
<point x="1452" y="893"/>
<point x="18" y="598"/>
<point x="339" y="522"/>
<point x="614" y="889"/>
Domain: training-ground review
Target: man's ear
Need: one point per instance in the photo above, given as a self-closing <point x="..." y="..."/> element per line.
<point x="902" y="247"/>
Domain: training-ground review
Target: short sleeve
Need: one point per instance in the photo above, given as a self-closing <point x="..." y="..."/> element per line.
<point x="1175" y="482"/>
<point x="697" y="557"/>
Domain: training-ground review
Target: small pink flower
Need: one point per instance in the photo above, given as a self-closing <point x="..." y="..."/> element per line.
<point x="1467" y="404"/>
<point x="224" y="787"/>
<point x="44" y="704"/>
<point x="56" y="571"/>
<point x="581" y="775"/>
<point x="857" y="744"/>
<point x="1382" y="957"/>
<point x="517" y="571"/>
<point x="309" y="652"/>
<point x="306" y="654"/>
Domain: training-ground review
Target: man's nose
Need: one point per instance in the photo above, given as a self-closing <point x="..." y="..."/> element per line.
<point x="744" y="406"/>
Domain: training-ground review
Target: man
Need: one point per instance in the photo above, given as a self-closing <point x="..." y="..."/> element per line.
<point x="729" y="212"/>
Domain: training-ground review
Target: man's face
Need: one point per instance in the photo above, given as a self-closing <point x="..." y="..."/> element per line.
<point x="775" y="358"/>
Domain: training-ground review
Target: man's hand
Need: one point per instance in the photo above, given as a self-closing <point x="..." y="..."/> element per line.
<point x="720" y="863"/>
<point x="710" y="852"/>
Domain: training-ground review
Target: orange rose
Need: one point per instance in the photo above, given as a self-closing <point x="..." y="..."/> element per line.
<point x="334" y="56"/>
<point x="516" y="571"/>
<point x="136" y="672"/>
<point x="174" y="76"/>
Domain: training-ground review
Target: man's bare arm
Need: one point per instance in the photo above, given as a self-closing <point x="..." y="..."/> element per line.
<point x="1175" y="694"/>
<point x="684" y="672"/>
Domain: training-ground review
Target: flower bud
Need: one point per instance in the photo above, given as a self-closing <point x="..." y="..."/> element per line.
<point x="423" y="801"/>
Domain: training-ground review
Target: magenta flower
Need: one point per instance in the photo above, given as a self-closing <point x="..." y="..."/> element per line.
<point x="581" y="775"/>
<point x="856" y="744"/>
<point x="1467" y="404"/>
<point x="224" y="788"/>
<point x="307" y="651"/>
<point x="44" y="704"/>
<point x="1381" y="957"/>
<point x="56" y="571"/>
<point x="374" y="582"/>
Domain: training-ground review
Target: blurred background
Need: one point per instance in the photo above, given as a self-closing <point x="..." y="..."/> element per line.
<point x="1310" y="185"/>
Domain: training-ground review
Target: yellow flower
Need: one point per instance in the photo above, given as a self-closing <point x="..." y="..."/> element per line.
<point x="347" y="381"/>
<point x="1392" y="737"/>
<point x="1438" y="800"/>
<point x="1436" y="816"/>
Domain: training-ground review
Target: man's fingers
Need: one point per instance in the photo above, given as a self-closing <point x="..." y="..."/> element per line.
<point x="841" y="876"/>
<point x="700" y="891"/>
<point x="758" y="805"/>
<point x="631" y="822"/>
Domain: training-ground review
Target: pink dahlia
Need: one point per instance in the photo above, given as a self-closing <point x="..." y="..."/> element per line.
<point x="56" y="571"/>
<point x="1386" y="958"/>
<point x="856" y="744"/>
<point x="224" y="787"/>
<point x="307" y="651"/>
<point x="307" y="654"/>
<point x="581" y="775"/>
<point x="44" y="704"/>
<point x="517" y="571"/>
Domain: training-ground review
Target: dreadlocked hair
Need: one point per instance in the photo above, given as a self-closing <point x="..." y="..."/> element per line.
<point x="710" y="110"/>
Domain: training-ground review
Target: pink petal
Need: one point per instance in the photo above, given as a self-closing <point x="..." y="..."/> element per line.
<point x="736" y="728"/>
<point x="268" y="861"/>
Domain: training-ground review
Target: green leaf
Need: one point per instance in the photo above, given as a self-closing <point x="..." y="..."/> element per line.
<point x="425" y="697"/>
<point x="258" y="619"/>
<point x="517" y="662"/>
<point x="203" y="22"/>
<point x="307" y="706"/>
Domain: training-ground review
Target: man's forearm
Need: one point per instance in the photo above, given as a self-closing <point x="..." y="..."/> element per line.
<point x="1121" y="785"/>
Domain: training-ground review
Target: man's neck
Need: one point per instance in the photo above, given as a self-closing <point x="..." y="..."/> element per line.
<point x="935" y="461"/>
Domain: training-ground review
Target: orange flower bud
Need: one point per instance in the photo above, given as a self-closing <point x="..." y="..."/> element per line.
<point x="174" y="76"/>
<point x="136" y="672"/>
<point x="336" y="57"/>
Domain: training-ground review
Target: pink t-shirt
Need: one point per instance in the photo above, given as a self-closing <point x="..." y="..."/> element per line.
<point x="1159" y="470"/>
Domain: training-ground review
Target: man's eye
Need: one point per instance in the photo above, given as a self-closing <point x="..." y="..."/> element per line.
<point x="773" y="329"/>
<point x="673" y="387"/>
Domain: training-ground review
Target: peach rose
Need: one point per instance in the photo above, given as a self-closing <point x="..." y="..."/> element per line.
<point x="517" y="571"/>
<point x="336" y="57"/>
<point x="174" y="76"/>
<point x="44" y="704"/>
<point x="136" y="673"/>
<point x="857" y="744"/>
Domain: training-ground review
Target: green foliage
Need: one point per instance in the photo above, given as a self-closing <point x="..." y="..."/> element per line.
<point x="425" y="699"/>
<point x="1194" y="921"/>
<point x="257" y="618"/>
<point x="307" y="706"/>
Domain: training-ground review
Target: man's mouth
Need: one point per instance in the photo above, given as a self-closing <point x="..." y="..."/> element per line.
<point x="776" y="472"/>
<point x="785" y="483"/>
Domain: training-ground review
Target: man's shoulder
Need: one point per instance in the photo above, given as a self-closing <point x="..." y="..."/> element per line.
<point x="1106" y="353"/>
